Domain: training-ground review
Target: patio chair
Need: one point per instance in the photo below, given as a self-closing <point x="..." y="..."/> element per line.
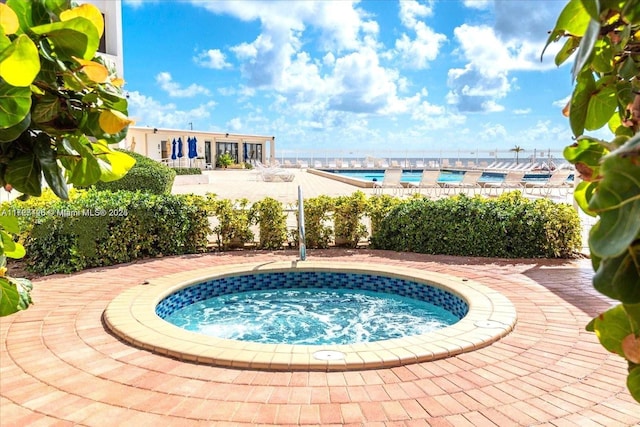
<point x="429" y="181"/>
<point x="469" y="182"/>
<point x="512" y="180"/>
<point x="391" y="179"/>
<point x="557" y="179"/>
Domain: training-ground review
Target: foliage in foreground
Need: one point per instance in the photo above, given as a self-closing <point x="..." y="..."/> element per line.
<point x="508" y="227"/>
<point x="61" y="108"/>
<point x="605" y="37"/>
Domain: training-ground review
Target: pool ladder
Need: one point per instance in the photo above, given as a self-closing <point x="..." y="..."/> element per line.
<point x="301" y="236"/>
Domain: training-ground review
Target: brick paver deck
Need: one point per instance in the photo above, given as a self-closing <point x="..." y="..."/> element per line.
<point x="59" y="366"/>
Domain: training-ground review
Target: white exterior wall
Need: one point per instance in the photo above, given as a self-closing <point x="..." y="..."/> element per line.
<point x="112" y="10"/>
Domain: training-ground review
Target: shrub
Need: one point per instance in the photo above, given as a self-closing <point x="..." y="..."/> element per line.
<point x="378" y="207"/>
<point x="508" y="227"/>
<point x="316" y="216"/>
<point x="234" y="220"/>
<point x="347" y="216"/>
<point x="269" y="214"/>
<point x="146" y="175"/>
<point x="188" y="171"/>
<point x="100" y="228"/>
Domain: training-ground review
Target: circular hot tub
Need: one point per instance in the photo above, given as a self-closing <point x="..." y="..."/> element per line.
<point x="474" y="316"/>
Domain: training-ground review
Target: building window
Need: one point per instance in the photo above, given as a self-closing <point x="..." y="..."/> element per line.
<point x="230" y="148"/>
<point x="252" y="153"/>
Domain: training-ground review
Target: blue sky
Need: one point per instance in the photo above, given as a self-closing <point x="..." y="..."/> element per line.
<point x="345" y="75"/>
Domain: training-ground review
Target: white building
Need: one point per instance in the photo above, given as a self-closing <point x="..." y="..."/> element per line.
<point x="158" y="144"/>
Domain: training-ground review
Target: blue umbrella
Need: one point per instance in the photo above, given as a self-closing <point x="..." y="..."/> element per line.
<point x="173" y="149"/>
<point x="193" y="150"/>
<point x="180" y="153"/>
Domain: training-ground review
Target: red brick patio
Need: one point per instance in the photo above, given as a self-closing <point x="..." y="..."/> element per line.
<point x="59" y="366"/>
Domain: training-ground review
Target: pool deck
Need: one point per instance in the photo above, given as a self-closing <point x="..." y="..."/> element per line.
<point x="60" y="366"/>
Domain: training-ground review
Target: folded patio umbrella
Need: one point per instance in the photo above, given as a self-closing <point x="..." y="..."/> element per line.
<point x="173" y="149"/>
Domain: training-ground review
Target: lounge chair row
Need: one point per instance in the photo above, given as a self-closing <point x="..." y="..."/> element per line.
<point x="471" y="182"/>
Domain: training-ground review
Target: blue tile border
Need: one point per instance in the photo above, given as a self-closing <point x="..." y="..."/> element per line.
<point x="311" y="279"/>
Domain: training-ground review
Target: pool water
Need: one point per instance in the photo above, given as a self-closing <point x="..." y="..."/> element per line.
<point x="311" y="316"/>
<point x="445" y="176"/>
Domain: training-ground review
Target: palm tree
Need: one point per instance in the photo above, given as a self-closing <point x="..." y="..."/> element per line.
<point x="517" y="149"/>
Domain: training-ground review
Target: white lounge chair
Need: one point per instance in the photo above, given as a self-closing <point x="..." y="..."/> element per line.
<point x="391" y="179"/>
<point x="557" y="179"/>
<point x="429" y="181"/>
<point x="513" y="180"/>
<point x="469" y="182"/>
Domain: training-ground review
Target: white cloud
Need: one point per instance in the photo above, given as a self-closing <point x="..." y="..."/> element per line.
<point x="346" y="76"/>
<point x="522" y="111"/>
<point x="212" y="58"/>
<point x="416" y="53"/>
<point x="491" y="132"/>
<point x="561" y="103"/>
<point x="166" y="83"/>
<point x="471" y="90"/>
<point x="478" y="4"/>
<point x="492" y="53"/>
<point x="412" y="10"/>
<point x="146" y="111"/>
<point x="235" y="124"/>
<point x="425" y="47"/>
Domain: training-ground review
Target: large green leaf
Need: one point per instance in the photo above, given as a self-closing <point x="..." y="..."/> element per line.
<point x="23" y="11"/>
<point x="81" y="165"/>
<point x="75" y="37"/>
<point x="10" y="248"/>
<point x="617" y="201"/>
<point x="611" y="327"/>
<point x="15" y="103"/>
<point x="53" y="173"/>
<point x="603" y="56"/>
<point x="583" y="193"/>
<point x="14" y="295"/>
<point x="13" y="132"/>
<point x="633" y="382"/>
<point x="10" y="223"/>
<point x="587" y="43"/>
<point x="23" y="173"/>
<point x="46" y="109"/>
<point x="114" y="165"/>
<point x="602" y="105"/>
<point x="617" y="276"/>
<point x="573" y="20"/>
<point x="585" y="150"/>
<point x="56" y="6"/>
<point x="582" y="93"/>
<point x="22" y="64"/>
<point x="630" y="148"/>
<point x="567" y="50"/>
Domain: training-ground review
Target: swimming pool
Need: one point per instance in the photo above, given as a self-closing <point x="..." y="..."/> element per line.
<point x="133" y="317"/>
<point x="412" y="175"/>
<point x="314" y="308"/>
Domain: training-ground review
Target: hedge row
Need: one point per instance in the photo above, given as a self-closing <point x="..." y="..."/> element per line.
<point x="104" y="228"/>
<point x="107" y="228"/>
<point x="510" y="226"/>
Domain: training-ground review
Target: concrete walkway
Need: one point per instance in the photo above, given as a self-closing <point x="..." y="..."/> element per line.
<point x="59" y="366"/>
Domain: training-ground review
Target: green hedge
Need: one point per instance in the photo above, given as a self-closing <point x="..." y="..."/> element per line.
<point x="101" y="228"/>
<point x="146" y="175"/>
<point x="188" y="171"/>
<point x="510" y="226"/>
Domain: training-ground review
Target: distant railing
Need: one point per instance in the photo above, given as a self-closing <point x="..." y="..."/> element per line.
<point x="409" y="158"/>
